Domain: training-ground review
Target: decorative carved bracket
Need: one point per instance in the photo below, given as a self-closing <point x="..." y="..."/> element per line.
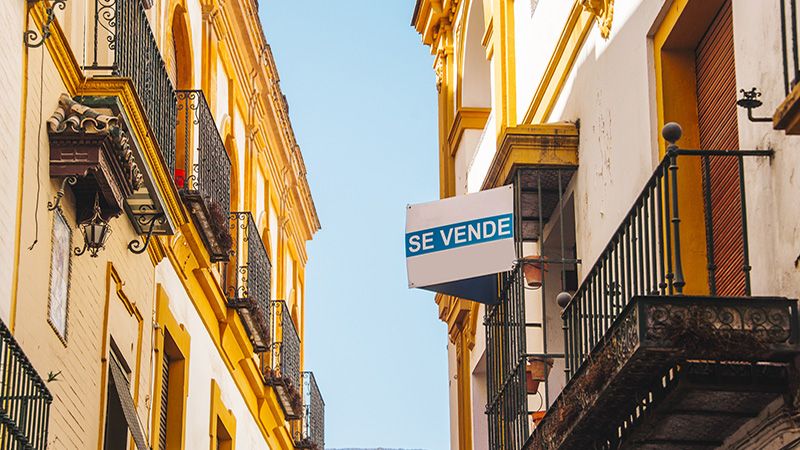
<point x="603" y="12"/>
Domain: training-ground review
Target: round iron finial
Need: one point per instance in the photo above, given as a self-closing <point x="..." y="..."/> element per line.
<point x="563" y="299"/>
<point x="672" y="132"/>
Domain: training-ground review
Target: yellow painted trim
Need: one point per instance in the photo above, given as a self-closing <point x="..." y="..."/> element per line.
<point x="123" y="89"/>
<point x="505" y="67"/>
<point x="12" y="313"/>
<point x="224" y="333"/>
<point x="674" y="43"/>
<point x="299" y="220"/>
<point x="114" y="288"/>
<point x="219" y="413"/>
<point x="563" y="58"/>
<point x="179" y="370"/>
<point x="553" y="144"/>
<point x="466" y="119"/>
<point x="78" y="85"/>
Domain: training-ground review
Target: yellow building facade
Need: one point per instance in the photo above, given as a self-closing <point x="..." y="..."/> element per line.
<point x="155" y="220"/>
<point x="574" y="103"/>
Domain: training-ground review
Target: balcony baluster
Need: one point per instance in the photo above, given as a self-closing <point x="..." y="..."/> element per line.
<point x="247" y="279"/>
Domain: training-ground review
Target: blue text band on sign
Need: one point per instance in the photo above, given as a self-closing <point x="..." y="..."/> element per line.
<point x="459" y="234"/>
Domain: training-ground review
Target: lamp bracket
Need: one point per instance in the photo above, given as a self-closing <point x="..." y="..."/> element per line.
<point x="33" y="38"/>
<point x="137" y="247"/>
<point x="56" y="203"/>
<point x="750" y="101"/>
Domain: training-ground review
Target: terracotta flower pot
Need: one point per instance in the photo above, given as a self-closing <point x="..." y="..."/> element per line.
<point x="534" y="271"/>
<point x="536" y="370"/>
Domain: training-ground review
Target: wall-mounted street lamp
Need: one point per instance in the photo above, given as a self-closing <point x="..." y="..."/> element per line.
<point x="96" y="231"/>
<point x="750" y="101"/>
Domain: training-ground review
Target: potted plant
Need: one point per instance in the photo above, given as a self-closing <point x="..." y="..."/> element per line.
<point x="534" y="267"/>
<point x="536" y="370"/>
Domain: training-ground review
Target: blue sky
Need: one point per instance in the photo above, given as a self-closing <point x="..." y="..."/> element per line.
<point x="363" y="105"/>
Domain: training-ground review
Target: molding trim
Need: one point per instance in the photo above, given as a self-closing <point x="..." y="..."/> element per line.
<point x="548" y="144"/>
<point x="566" y="51"/>
<point x="466" y="119"/>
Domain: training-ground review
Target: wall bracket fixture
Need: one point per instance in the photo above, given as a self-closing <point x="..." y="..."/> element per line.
<point x="137" y="247"/>
<point x="750" y="101"/>
<point x="56" y="203"/>
<point x="33" y="38"/>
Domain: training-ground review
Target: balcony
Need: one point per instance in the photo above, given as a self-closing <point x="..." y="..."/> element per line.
<point x="24" y="398"/>
<point x="283" y="369"/>
<point x="247" y="279"/>
<point x="309" y="431"/>
<point x="122" y="44"/>
<point x="787" y="115"/>
<point x="204" y="177"/>
<point x="650" y="367"/>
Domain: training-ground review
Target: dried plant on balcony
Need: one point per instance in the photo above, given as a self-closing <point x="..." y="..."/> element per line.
<point x="220" y="223"/>
<point x="259" y="317"/>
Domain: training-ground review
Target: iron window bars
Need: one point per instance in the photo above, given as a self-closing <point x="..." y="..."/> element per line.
<point x="247" y="279"/>
<point x="123" y="44"/>
<point x="283" y="369"/>
<point x="204" y="179"/>
<point x="539" y="192"/>
<point x="24" y="399"/>
<point x="309" y="431"/>
<point x="206" y="165"/>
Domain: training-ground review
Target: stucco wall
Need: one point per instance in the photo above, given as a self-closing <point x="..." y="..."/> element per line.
<point x="11" y="72"/>
<point x="205" y="364"/>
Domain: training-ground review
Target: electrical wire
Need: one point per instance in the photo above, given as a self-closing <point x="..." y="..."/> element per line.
<point x="38" y="154"/>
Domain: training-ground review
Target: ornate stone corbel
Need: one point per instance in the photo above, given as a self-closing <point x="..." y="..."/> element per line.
<point x="438" y="70"/>
<point x="603" y="12"/>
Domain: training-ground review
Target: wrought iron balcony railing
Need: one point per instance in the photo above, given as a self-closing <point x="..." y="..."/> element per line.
<point x="123" y="44"/>
<point x="789" y="44"/>
<point x="309" y="431"/>
<point x="247" y="279"/>
<point x="204" y="178"/>
<point x="640" y="353"/>
<point x="643" y="256"/>
<point x="283" y="370"/>
<point x="24" y="399"/>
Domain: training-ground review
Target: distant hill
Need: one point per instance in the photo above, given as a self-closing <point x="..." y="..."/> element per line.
<point x="376" y="448"/>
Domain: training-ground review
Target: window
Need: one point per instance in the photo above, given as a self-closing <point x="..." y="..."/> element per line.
<point x="172" y="379"/>
<point x="122" y="419"/>
<point x="223" y="423"/>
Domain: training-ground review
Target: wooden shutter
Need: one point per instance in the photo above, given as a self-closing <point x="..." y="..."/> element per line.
<point x="120" y="382"/>
<point x="162" y="417"/>
<point x="716" y="108"/>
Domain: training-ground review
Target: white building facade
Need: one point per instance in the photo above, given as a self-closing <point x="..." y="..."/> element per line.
<point x="567" y="100"/>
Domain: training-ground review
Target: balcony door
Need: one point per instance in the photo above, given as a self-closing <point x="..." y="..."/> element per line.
<point x="717" y="123"/>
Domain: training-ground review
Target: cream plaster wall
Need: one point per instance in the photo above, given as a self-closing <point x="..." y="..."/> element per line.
<point x="610" y="91"/>
<point x="12" y="17"/>
<point x="205" y="364"/>
<point x="452" y="386"/>
<point x="537" y="26"/>
<point x="773" y="186"/>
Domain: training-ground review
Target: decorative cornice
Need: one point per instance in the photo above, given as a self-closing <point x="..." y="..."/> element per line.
<point x="554" y="144"/>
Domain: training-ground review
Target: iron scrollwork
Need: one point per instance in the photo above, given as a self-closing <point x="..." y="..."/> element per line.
<point x="56" y="203"/>
<point x="33" y="38"/>
<point x="150" y="222"/>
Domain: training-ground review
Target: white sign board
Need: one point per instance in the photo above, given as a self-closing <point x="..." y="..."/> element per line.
<point x="460" y="237"/>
